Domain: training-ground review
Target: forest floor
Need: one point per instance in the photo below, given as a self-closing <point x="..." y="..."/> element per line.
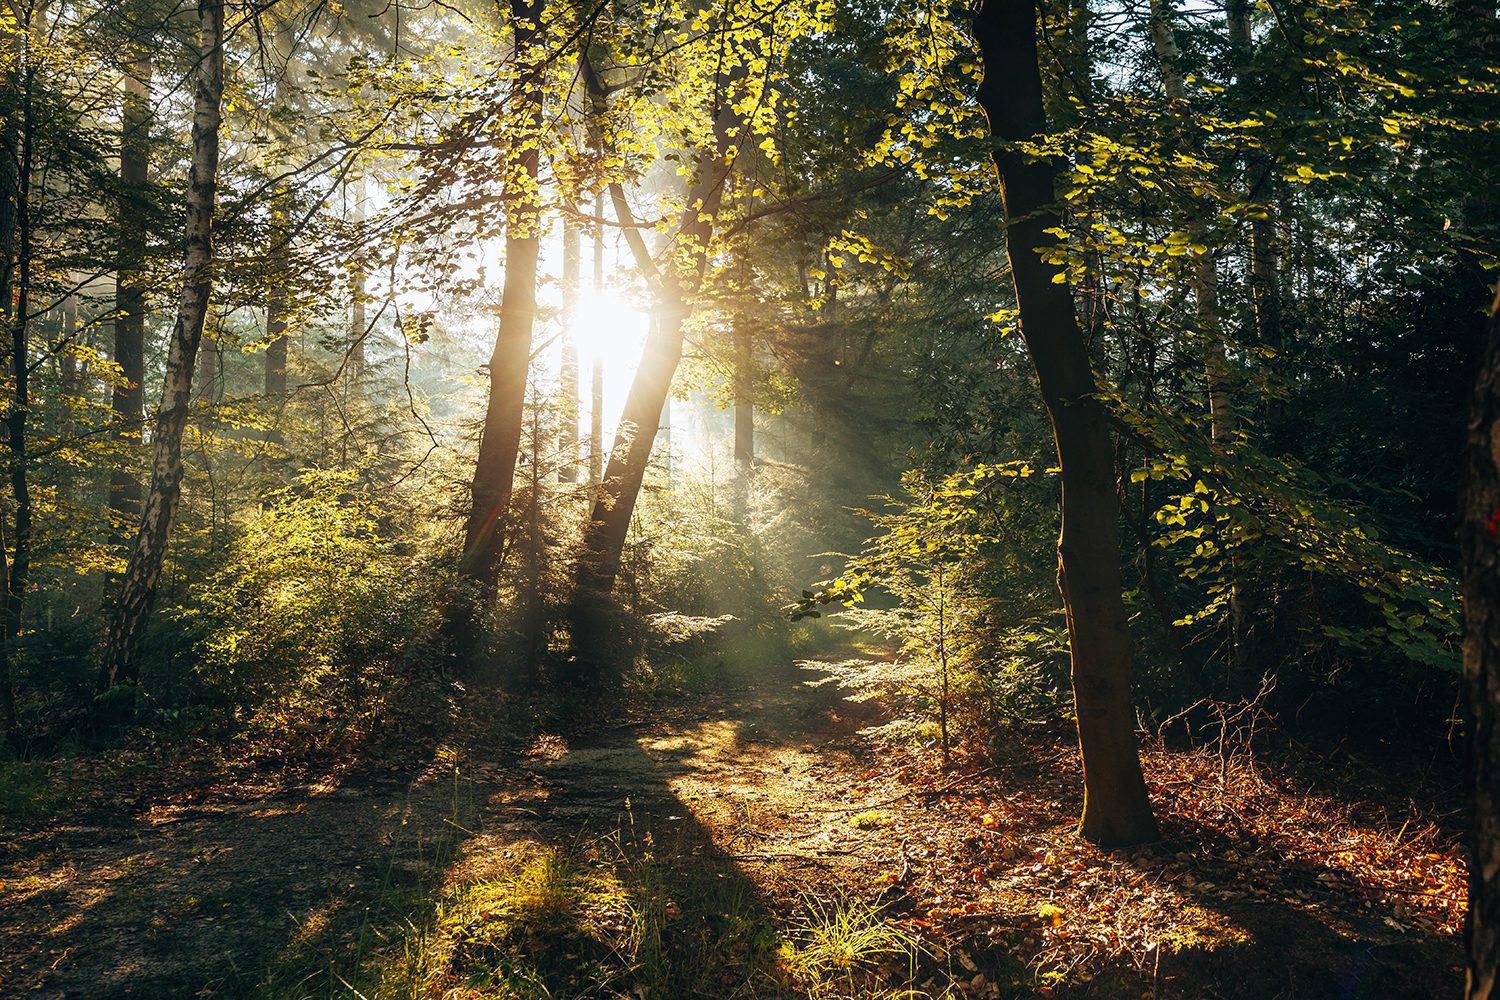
<point x="746" y="839"/>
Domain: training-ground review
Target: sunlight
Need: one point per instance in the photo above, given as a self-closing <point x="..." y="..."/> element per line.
<point x="608" y="328"/>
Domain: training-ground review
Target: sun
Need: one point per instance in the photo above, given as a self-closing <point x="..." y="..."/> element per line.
<point x="609" y="329"/>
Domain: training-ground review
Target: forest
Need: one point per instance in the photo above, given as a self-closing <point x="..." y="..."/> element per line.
<point x="750" y="499"/>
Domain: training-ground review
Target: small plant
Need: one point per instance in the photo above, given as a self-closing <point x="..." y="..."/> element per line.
<point x="871" y="819"/>
<point x="840" y="946"/>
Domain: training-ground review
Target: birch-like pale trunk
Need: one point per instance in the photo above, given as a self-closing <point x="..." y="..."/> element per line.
<point x="143" y="571"/>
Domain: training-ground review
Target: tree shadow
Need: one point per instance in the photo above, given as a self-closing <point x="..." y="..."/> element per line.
<point x="194" y="900"/>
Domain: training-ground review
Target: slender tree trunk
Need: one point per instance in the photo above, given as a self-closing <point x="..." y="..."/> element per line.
<point x="1205" y="282"/>
<point x="500" y="439"/>
<point x="1479" y="534"/>
<point x="744" y="398"/>
<point x="1116" y="810"/>
<point x="208" y="361"/>
<point x="358" y="324"/>
<point x="1243" y="667"/>
<point x="121" y="651"/>
<point x="276" y="347"/>
<point x="609" y="522"/>
<point x="596" y="369"/>
<point x="130" y="292"/>
<point x="68" y="381"/>
<point x="15" y="218"/>
<point x="1265" y="266"/>
<point x="567" y="466"/>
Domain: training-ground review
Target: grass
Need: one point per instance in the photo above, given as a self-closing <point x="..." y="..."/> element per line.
<point x="30" y="790"/>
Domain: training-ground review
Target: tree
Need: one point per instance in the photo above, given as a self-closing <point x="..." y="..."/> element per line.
<point x="143" y="570"/>
<point x="500" y="437"/>
<point x="1116" y="809"/>
<point x="1479" y="535"/>
<point x="609" y="520"/>
<point x="130" y="279"/>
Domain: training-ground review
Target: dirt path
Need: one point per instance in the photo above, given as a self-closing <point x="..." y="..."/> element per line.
<point x="230" y="899"/>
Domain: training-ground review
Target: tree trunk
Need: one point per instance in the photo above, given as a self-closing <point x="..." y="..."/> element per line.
<point x="130" y="294"/>
<point x="596" y="370"/>
<point x="120" y="662"/>
<point x="358" y="324"/>
<point x="1479" y="535"/>
<point x="744" y="398"/>
<point x="1116" y="809"/>
<point x="500" y="438"/>
<point x="208" y="362"/>
<point x="609" y="522"/>
<point x="567" y="466"/>
<point x="68" y="379"/>
<point x="15" y="304"/>
<point x="276" y="338"/>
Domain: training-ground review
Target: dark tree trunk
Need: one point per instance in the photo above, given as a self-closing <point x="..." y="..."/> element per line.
<point x="596" y="370"/>
<point x="142" y="572"/>
<point x="500" y="438"/>
<point x="1480" y="539"/>
<point x="1116" y="809"/>
<point x="567" y="466"/>
<point x="130" y="293"/>
<point x="630" y="455"/>
<point x="15" y="303"/>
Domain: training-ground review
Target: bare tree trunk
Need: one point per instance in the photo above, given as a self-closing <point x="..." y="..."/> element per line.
<point x="500" y="438"/>
<point x="275" y="386"/>
<point x="68" y="382"/>
<point x="1116" y="809"/>
<point x="16" y="233"/>
<point x="208" y="361"/>
<point x="130" y="293"/>
<point x="122" y="648"/>
<point x="1205" y="282"/>
<point x="744" y="397"/>
<point x="1479" y="534"/>
<point x="567" y="466"/>
<point x="358" y="324"/>
<point x="596" y="370"/>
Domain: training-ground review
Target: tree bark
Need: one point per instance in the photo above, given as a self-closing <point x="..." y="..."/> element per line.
<point x="128" y="400"/>
<point x="1116" y="811"/>
<point x="1479" y="535"/>
<point x="596" y="369"/>
<point x="358" y="324"/>
<point x="500" y="438"/>
<point x="567" y="466"/>
<point x="143" y="571"/>
<point x="15" y="304"/>
<point x="744" y="397"/>
<point x="609" y="521"/>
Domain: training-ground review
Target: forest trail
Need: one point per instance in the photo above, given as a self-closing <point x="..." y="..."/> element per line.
<point x="229" y="893"/>
<point x="702" y="845"/>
